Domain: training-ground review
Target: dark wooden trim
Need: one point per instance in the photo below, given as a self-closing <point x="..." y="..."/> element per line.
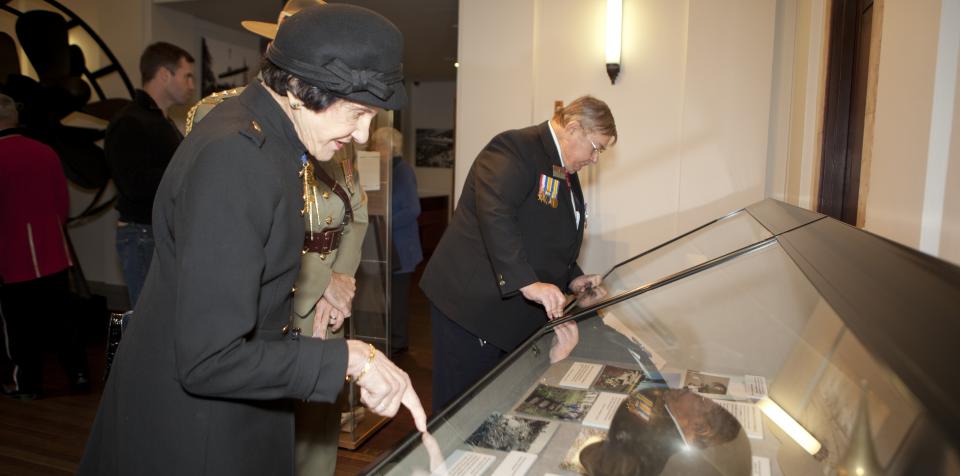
<point x="844" y="108"/>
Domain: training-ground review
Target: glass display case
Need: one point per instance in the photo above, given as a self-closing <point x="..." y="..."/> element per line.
<point x="771" y="341"/>
<point x="370" y="320"/>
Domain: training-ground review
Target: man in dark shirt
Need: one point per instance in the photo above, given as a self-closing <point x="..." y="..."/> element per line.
<point x="139" y="144"/>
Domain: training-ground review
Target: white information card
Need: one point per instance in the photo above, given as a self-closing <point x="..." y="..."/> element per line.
<point x="517" y="463"/>
<point x="602" y="411"/>
<point x="581" y="375"/>
<point x="466" y="463"/>
<point x="748" y="414"/>
<point x="368" y="167"/>
<point x="761" y="466"/>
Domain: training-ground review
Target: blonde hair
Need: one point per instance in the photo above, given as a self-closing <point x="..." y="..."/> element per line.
<point x="387" y="136"/>
<point x="592" y="113"/>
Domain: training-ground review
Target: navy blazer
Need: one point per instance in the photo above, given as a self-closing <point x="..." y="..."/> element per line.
<point x="504" y="237"/>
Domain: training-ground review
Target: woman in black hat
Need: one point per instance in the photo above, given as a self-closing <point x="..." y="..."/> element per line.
<point x="204" y="380"/>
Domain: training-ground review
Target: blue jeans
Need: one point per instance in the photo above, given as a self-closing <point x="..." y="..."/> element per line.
<point x="135" y="247"/>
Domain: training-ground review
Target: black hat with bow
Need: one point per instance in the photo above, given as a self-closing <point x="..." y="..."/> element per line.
<point x="352" y="52"/>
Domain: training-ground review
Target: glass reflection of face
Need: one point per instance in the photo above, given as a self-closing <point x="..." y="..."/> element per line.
<point x="324" y="133"/>
<point x="689" y="412"/>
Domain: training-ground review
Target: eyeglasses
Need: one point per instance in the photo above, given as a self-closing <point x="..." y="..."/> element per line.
<point x="596" y="149"/>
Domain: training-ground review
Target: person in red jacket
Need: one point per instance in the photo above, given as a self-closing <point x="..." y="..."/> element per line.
<point x="33" y="256"/>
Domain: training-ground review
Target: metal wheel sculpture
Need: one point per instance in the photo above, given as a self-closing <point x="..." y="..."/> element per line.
<point x="60" y="91"/>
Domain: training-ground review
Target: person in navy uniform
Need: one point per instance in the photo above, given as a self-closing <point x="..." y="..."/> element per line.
<point x="206" y="376"/>
<point x="500" y="269"/>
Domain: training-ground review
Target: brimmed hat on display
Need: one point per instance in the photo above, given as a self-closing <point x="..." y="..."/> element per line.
<point x="269" y="30"/>
<point x="352" y="52"/>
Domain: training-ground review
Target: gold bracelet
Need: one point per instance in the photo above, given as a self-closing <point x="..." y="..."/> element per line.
<point x="367" y="365"/>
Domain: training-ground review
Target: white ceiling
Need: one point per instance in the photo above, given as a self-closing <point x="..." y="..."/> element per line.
<point x="429" y="27"/>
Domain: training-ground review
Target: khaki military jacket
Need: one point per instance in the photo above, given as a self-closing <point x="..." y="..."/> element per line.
<point x="322" y="209"/>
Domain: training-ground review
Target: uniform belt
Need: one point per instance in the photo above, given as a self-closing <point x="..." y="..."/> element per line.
<point x="324" y="242"/>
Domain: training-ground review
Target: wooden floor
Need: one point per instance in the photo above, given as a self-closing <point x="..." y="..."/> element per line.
<point x="47" y="436"/>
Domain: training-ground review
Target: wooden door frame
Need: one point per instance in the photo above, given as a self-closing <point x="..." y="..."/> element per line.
<point x="843" y="184"/>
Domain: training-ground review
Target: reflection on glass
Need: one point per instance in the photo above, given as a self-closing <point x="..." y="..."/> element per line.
<point x="790" y="426"/>
<point x="717" y="239"/>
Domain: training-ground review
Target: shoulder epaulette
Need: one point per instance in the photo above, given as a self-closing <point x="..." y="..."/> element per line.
<point x="205" y="105"/>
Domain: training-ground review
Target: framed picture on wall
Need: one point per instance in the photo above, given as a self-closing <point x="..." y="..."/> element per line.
<point x="225" y="66"/>
<point x="435" y="148"/>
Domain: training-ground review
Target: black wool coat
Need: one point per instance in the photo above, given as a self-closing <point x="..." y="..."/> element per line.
<point x="203" y="381"/>
<point x="504" y="237"/>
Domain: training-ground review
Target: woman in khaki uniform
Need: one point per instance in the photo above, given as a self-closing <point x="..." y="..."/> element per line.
<point x="325" y="289"/>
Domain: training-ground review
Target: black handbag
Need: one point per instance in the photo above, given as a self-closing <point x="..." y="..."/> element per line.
<point x="115" y="327"/>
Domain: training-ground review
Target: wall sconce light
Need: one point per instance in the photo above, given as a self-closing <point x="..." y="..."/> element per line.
<point x="614" y="34"/>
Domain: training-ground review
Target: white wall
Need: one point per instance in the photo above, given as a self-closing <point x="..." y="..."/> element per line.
<point x="720" y="104"/>
<point x="897" y="177"/>
<point x="692" y="104"/>
<point x="431" y="105"/>
<point x="910" y="181"/>
<point x="186" y="31"/>
<point x="494" y="81"/>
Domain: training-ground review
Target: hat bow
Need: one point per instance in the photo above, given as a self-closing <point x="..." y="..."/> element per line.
<point x="346" y="80"/>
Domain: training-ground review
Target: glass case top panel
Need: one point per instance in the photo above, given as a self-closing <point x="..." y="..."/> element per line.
<point x="755" y="330"/>
<point x="740" y="369"/>
<point x="727" y="234"/>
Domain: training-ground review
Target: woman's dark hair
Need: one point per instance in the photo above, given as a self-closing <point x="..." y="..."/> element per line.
<point x="280" y="81"/>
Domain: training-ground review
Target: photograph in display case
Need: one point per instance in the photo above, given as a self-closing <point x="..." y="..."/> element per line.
<point x="706" y="383"/>
<point x="559" y="403"/>
<point x="713" y="385"/>
<point x="512" y="433"/>
<point x="618" y="379"/>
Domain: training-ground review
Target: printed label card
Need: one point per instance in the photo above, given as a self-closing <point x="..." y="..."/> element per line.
<point x="516" y="463"/>
<point x="581" y="375"/>
<point x="725" y="386"/>
<point x="603" y="410"/>
<point x="761" y="466"/>
<point x="748" y="414"/>
<point x="465" y="463"/>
